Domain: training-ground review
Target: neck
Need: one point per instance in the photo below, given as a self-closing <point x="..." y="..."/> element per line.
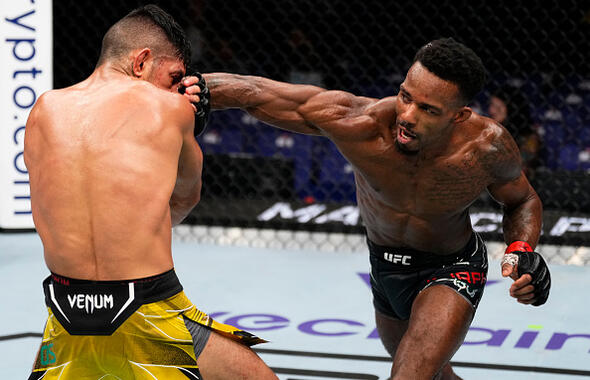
<point x="110" y="70"/>
<point x="439" y="146"/>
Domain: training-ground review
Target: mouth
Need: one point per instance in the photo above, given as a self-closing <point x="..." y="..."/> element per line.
<point x="404" y="136"/>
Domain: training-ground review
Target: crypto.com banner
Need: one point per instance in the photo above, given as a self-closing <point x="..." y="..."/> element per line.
<point x="26" y="71"/>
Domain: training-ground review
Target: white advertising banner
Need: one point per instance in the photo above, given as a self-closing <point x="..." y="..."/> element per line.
<point x="26" y="71"/>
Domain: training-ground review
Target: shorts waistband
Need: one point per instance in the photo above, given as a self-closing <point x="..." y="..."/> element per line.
<point x="149" y="289"/>
<point x="404" y="257"/>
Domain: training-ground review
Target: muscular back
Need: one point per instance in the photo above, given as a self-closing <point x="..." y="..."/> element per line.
<point x="103" y="159"/>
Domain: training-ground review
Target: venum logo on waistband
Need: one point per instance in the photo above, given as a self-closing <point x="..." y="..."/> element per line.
<point x="397" y="259"/>
<point x="89" y="302"/>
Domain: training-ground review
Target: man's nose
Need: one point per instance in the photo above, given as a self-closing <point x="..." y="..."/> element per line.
<point x="408" y="116"/>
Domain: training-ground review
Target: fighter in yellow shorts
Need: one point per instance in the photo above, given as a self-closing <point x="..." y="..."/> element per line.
<point x="129" y="329"/>
<point x="113" y="165"/>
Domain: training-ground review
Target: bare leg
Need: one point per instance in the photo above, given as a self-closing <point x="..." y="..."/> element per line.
<point x="225" y="359"/>
<point x="391" y="331"/>
<point x="438" y="324"/>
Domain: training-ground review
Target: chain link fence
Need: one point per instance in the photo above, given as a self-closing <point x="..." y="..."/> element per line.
<point x="262" y="179"/>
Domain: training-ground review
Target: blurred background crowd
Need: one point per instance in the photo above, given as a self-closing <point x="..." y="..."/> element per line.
<point x="536" y="54"/>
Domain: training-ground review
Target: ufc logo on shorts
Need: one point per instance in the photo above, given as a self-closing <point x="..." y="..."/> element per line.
<point x="397" y="259"/>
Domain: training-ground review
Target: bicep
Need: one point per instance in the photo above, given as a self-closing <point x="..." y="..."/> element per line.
<point x="337" y="113"/>
<point x="285" y="105"/>
<point x="303" y="108"/>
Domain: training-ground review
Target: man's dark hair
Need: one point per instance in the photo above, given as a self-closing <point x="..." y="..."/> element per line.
<point x="456" y="63"/>
<point x="148" y="26"/>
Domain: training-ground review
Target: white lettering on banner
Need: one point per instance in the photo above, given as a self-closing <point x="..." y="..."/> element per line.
<point x="483" y="222"/>
<point x="89" y="302"/>
<point x="486" y="221"/>
<point x="281" y="209"/>
<point x="306" y="214"/>
<point x="26" y="72"/>
<point x="570" y="224"/>
<point x="284" y="211"/>
<point x="348" y="215"/>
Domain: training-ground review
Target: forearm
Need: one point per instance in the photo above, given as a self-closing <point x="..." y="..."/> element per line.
<point x="524" y="221"/>
<point x="233" y="91"/>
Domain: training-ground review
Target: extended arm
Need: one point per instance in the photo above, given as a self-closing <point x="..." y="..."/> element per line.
<point x="297" y="108"/>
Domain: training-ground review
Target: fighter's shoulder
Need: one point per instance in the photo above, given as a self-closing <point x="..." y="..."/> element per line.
<point x="49" y="97"/>
<point x="491" y="135"/>
<point x="160" y="99"/>
<point x="496" y="147"/>
<point x="381" y="107"/>
<point x="48" y="100"/>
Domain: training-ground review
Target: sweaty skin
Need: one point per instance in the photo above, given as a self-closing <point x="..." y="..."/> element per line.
<point x="112" y="165"/>
<point x="418" y="200"/>
<point x="420" y="159"/>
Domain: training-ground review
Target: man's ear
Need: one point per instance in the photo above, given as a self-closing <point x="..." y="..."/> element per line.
<point x="140" y="62"/>
<point x="463" y="114"/>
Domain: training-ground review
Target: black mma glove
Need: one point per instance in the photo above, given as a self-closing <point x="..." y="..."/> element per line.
<point x="526" y="261"/>
<point x="203" y="106"/>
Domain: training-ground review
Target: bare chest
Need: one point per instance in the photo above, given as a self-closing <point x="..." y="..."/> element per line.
<point x="440" y="187"/>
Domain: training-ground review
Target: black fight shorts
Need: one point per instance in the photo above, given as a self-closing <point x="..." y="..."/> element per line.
<point x="399" y="274"/>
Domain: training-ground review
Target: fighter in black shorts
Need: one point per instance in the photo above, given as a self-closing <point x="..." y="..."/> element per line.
<point x="420" y="159"/>
<point x="398" y="275"/>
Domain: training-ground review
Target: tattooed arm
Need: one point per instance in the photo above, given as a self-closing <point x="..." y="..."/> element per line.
<point x="523" y="210"/>
<point x="523" y="216"/>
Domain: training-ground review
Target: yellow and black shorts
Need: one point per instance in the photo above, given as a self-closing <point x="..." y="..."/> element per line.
<point x="136" y="329"/>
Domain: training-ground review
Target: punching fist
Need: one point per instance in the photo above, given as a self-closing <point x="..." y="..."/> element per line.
<point x="195" y="87"/>
<point x="530" y="272"/>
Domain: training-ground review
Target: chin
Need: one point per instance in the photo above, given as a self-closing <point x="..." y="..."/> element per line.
<point x="405" y="150"/>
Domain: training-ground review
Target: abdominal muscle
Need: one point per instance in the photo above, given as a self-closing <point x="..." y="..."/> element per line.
<point x="435" y="232"/>
<point x="407" y="231"/>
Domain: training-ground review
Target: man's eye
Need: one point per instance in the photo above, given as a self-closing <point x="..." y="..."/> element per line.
<point x="405" y="98"/>
<point x="426" y="109"/>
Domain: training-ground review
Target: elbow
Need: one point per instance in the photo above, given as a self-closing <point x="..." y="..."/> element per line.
<point x="189" y="202"/>
<point x="181" y="207"/>
<point x="534" y="199"/>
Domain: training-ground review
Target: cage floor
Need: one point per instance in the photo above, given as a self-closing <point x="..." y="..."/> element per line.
<point x="315" y="308"/>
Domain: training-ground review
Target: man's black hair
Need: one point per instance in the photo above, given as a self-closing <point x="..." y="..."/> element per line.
<point x="135" y="28"/>
<point x="456" y="63"/>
